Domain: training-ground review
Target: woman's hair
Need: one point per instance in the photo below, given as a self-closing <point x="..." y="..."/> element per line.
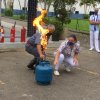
<point x="73" y="36"/>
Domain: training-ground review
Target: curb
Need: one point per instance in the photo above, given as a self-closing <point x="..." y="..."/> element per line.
<point x="16" y="45"/>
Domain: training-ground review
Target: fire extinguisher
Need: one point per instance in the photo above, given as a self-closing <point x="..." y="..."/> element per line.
<point x="12" y="34"/>
<point x="23" y="34"/>
<point x="2" y="34"/>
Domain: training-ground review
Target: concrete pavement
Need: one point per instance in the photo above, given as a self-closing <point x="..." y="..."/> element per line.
<point x="18" y="83"/>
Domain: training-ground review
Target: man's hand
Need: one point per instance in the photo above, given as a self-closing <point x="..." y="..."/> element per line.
<point x="40" y="51"/>
<point x="42" y="56"/>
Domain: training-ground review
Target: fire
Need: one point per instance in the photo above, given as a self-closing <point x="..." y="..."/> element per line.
<point x="38" y="23"/>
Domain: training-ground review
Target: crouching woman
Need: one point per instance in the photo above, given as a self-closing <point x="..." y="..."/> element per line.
<point x="67" y="53"/>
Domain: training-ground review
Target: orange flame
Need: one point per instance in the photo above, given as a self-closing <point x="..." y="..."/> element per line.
<point x="38" y="23"/>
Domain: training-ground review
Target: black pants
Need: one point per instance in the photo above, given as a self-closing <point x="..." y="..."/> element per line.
<point x="33" y="51"/>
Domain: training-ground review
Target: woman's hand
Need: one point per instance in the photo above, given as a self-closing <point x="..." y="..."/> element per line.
<point x="75" y="60"/>
<point x="56" y="57"/>
<point x="55" y="62"/>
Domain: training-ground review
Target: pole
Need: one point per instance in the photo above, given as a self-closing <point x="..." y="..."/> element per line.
<point x="32" y="13"/>
<point x="0" y="11"/>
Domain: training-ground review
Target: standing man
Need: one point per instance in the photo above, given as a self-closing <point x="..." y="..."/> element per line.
<point x="94" y="31"/>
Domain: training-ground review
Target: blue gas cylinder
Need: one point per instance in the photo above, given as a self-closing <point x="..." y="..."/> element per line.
<point x="43" y="73"/>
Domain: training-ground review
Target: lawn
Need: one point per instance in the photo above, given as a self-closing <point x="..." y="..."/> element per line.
<point x="76" y="24"/>
<point x="80" y="25"/>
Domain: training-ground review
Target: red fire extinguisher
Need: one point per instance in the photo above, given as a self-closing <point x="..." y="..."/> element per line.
<point x="2" y="34"/>
<point x="23" y="34"/>
<point x="12" y="34"/>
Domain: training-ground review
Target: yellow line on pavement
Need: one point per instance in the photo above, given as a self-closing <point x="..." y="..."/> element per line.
<point x="88" y="71"/>
<point x="2" y="83"/>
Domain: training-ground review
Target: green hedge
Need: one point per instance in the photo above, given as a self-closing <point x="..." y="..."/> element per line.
<point x="8" y="12"/>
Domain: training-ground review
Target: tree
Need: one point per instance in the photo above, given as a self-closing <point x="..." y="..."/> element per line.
<point x="62" y="10"/>
<point x="47" y="4"/>
<point x="70" y="3"/>
<point x="85" y="3"/>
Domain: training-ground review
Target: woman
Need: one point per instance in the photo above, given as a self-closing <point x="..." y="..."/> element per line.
<point x="67" y="53"/>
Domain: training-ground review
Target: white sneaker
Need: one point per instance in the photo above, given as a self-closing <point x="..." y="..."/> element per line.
<point x="56" y="73"/>
<point x="68" y="69"/>
<point x="98" y="51"/>
<point x="91" y="49"/>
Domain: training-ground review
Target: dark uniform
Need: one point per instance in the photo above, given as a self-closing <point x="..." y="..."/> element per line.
<point x="31" y="48"/>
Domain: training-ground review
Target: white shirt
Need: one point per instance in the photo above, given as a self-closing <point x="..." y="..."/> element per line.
<point x="67" y="51"/>
<point x="94" y="18"/>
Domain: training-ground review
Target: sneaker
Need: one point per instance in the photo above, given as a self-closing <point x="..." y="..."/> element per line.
<point x="91" y="49"/>
<point x="98" y="51"/>
<point x="68" y="69"/>
<point x="56" y="73"/>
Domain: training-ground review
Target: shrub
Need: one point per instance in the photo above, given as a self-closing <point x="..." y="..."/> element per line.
<point x="8" y="12"/>
<point x="85" y="16"/>
<point x="22" y="17"/>
<point x="58" y="28"/>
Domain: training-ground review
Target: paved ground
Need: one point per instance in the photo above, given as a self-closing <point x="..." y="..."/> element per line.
<point x="17" y="82"/>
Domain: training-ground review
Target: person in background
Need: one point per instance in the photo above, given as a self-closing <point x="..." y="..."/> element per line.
<point x="67" y="53"/>
<point x="94" y="31"/>
<point x="34" y="47"/>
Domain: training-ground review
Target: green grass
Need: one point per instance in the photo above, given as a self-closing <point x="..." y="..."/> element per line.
<point x="80" y="25"/>
<point x="16" y="17"/>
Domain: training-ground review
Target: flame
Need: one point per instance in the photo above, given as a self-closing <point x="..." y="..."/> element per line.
<point x="38" y="23"/>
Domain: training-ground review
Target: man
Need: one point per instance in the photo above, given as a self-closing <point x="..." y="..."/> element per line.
<point x="34" y="47"/>
<point x="94" y="31"/>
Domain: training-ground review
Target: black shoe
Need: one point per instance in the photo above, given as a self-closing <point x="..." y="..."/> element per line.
<point x="33" y="63"/>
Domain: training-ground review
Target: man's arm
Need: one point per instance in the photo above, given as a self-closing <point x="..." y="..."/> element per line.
<point x="40" y="51"/>
<point x="95" y="22"/>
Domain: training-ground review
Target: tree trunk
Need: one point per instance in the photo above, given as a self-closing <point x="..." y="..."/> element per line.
<point x="85" y="8"/>
<point x="9" y="4"/>
<point x="45" y="4"/>
<point x="5" y="4"/>
<point x="19" y="4"/>
<point x="25" y="8"/>
<point x="49" y="4"/>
